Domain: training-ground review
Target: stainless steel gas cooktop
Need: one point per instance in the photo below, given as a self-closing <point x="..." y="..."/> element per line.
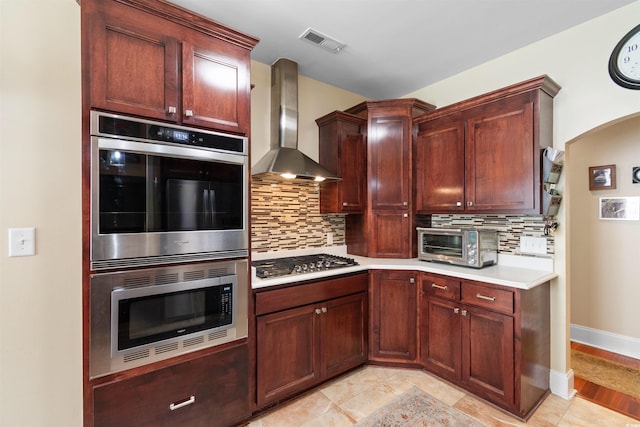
<point x="276" y="267"/>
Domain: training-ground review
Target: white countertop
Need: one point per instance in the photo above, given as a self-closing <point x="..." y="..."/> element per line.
<point x="515" y="271"/>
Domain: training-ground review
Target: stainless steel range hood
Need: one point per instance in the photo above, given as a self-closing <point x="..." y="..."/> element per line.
<point x="284" y="160"/>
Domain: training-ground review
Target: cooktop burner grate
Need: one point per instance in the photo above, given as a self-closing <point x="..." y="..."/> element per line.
<point x="276" y="267"/>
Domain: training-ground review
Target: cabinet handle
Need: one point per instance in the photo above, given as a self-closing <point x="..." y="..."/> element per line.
<point x="188" y="113"/>
<point x="324" y="309"/>
<point x="456" y="310"/>
<point x="484" y="297"/>
<point x="469" y="203"/>
<point x="318" y="311"/>
<point x="182" y="404"/>
<point x="442" y="288"/>
<point x="464" y="312"/>
<point x="458" y="203"/>
<point x="172" y="110"/>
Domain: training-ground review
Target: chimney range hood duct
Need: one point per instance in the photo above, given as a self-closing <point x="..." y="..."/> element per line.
<point x="284" y="160"/>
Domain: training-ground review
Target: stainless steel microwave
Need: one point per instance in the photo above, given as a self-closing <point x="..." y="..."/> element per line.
<point x="468" y="247"/>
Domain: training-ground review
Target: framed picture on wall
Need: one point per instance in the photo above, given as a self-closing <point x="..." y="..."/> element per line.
<point x="620" y="208"/>
<point x="602" y="177"/>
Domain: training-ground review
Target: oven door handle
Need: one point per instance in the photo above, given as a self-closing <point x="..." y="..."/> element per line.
<point x="165" y="150"/>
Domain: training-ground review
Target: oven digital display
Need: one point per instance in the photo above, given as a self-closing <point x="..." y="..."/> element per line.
<point x="180" y="136"/>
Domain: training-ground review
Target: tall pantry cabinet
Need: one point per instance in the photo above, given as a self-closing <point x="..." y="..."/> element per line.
<point x="387" y="227"/>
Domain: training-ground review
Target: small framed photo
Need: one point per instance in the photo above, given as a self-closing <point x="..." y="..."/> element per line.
<point x="602" y="177"/>
<point x="620" y="208"/>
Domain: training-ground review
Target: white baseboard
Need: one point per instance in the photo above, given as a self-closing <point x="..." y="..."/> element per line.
<point x="615" y="343"/>
<point x="561" y="384"/>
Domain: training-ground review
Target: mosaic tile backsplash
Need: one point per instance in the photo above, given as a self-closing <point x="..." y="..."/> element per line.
<point x="286" y="215"/>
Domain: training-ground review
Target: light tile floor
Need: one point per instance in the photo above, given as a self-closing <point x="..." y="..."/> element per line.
<point x="350" y="398"/>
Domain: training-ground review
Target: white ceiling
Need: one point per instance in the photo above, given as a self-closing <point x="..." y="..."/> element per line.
<point x="396" y="46"/>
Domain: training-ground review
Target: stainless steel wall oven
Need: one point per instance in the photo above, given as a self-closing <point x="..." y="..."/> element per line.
<point x="164" y="194"/>
<point x="142" y="316"/>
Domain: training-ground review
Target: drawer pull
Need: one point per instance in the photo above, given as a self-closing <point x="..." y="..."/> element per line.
<point x="484" y="297"/>
<point x="442" y="288"/>
<point x="182" y="404"/>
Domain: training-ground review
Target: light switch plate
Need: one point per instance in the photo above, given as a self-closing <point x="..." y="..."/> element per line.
<point x="533" y="245"/>
<point x="22" y="241"/>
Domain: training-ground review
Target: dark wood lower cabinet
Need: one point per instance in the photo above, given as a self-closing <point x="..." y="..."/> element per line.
<point x="308" y="333"/>
<point x="394" y="310"/>
<point x="208" y="391"/>
<point x="488" y="339"/>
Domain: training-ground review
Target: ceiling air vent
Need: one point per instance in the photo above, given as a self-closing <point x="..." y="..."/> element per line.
<point x="322" y="40"/>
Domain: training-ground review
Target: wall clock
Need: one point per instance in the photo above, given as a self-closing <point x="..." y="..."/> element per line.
<point x="624" y="64"/>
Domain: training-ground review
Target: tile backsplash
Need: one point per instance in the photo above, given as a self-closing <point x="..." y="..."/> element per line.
<point x="286" y="215"/>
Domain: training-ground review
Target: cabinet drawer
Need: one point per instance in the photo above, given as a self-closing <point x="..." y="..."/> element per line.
<point x="443" y="287"/>
<point x="208" y="391"/>
<point x="487" y="297"/>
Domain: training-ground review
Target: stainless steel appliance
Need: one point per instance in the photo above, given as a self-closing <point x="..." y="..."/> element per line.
<point x="286" y="266"/>
<point x="144" y="316"/>
<point x="164" y="194"/>
<point x="469" y="247"/>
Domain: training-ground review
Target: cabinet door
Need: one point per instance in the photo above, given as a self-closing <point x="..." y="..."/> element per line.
<point x="343" y="331"/>
<point x="391" y="234"/>
<point x="390" y="163"/>
<point x="287" y="353"/>
<point x="134" y="65"/>
<point x="440" y="166"/>
<point x="393" y="316"/>
<point x="501" y="157"/>
<point x="209" y="391"/>
<point x="488" y="354"/>
<point x="441" y="343"/>
<point x="352" y="156"/>
<point x="215" y="85"/>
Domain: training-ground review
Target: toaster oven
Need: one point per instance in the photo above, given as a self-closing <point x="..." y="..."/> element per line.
<point x="468" y="247"/>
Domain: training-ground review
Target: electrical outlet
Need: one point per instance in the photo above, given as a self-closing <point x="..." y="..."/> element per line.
<point x="533" y="245"/>
<point x="329" y="239"/>
<point x="22" y="241"/>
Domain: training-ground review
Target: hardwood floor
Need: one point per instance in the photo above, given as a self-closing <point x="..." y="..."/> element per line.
<point x="603" y="396"/>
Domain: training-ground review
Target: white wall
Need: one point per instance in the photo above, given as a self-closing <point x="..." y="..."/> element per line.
<point x="604" y="253"/>
<point x="40" y="186"/>
<point x="577" y="59"/>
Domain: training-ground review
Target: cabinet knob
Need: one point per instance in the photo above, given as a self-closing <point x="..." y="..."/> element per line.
<point x="464" y="312"/>
<point x="182" y="404"/>
<point x="469" y="203"/>
<point x="412" y="280"/>
<point x="171" y="110"/>
<point x="458" y="203"/>
<point x="318" y="311"/>
<point x="324" y="309"/>
<point x="405" y="203"/>
<point x="345" y="204"/>
<point x="188" y="113"/>
<point x="405" y="215"/>
<point x="456" y="310"/>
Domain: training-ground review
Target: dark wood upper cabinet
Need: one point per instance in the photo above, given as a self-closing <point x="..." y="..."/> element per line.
<point x="483" y="155"/>
<point x="387" y="228"/>
<point x="146" y="59"/>
<point x="342" y="150"/>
